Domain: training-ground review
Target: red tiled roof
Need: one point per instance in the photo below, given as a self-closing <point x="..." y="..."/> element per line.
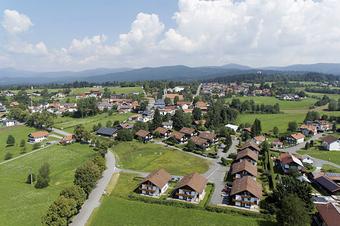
<point x="39" y="134"/>
<point x="297" y="136"/>
<point x="329" y="213"/>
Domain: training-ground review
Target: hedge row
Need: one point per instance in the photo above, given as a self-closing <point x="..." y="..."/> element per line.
<point x="71" y="199"/>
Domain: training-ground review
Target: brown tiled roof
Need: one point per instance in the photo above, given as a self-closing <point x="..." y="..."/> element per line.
<point x="287" y="158"/>
<point x="207" y="135"/>
<point x="161" y="130"/>
<point x="177" y="135"/>
<point x="181" y="103"/>
<point x="159" y="178"/>
<point x="39" y="134"/>
<point x="202" y="105"/>
<point x="250" y="145"/>
<point x="246" y="184"/>
<point x="329" y="213"/>
<point x="308" y="127"/>
<point x="247" y="153"/>
<point x="329" y="139"/>
<point x="297" y="136"/>
<point x="199" y="141"/>
<point x="142" y="133"/>
<point x="260" y="138"/>
<point x="195" y="181"/>
<point x="187" y="131"/>
<point x="244" y="166"/>
<point x="68" y="137"/>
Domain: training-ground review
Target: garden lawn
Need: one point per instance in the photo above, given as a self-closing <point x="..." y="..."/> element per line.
<point x="116" y="210"/>
<point x="329" y="168"/>
<point x="22" y="204"/>
<point x="148" y="157"/>
<point x="331" y="156"/>
<point x="19" y="133"/>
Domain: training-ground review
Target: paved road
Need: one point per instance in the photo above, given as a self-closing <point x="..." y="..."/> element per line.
<point x="60" y="132"/>
<point x="302" y="145"/>
<point x="217" y="172"/>
<point x="94" y="198"/>
<point x="198" y="91"/>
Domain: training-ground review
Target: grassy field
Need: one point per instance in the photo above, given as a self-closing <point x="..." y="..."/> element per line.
<point x="116" y="210"/>
<point x="329" y="168"/>
<point x="19" y="133"/>
<point x="68" y="123"/>
<point x="148" y="157"/>
<point x="21" y="203"/>
<point x="331" y="156"/>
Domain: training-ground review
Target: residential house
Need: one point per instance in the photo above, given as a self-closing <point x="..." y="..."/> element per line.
<point x="172" y="96"/>
<point x="327" y="184"/>
<point x="328" y="214"/>
<point x="251" y="145"/>
<point x="200" y="142"/>
<point x="68" y="139"/>
<point x="160" y="104"/>
<point x="104" y="105"/>
<point x="167" y="125"/>
<point x="163" y="132"/>
<point x="209" y="136"/>
<point x="125" y="126"/>
<point x="107" y="132"/>
<point x="277" y="144"/>
<point x="9" y="122"/>
<point x="243" y="168"/>
<point x="330" y="143"/>
<point x="179" y="137"/>
<point x="171" y="110"/>
<point x="308" y="130"/>
<point x="232" y="127"/>
<point x="155" y="184"/>
<point x="247" y="155"/>
<point x="189" y="132"/>
<point x="144" y="135"/>
<point x="296" y="138"/>
<point x="259" y="139"/>
<point x="290" y="163"/>
<point x="191" y="188"/>
<point x="202" y="105"/>
<point x="184" y="105"/>
<point x="246" y="192"/>
<point x="38" y="136"/>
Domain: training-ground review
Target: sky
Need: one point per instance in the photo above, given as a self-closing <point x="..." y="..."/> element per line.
<point x="61" y="35"/>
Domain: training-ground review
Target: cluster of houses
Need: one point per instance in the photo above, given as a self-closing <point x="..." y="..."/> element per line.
<point x="289" y="97"/>
<point x="190" y="188"/>
<point x="40" y="136"/>
<point x="56" y="108"/>
<point x="245" y="191"/>
<point x="234" y="89"/>
<point x="96" y="93"/>
<point x="122" y="103"/>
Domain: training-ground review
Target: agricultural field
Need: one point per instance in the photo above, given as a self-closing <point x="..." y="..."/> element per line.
<point x="68" y="123"/>
<point x="121" y="211"/>
<point x="21" y="203"/>
<point x="291" y="111"/>
<point x="19" y="133"/>
<point x="147" y="157"/>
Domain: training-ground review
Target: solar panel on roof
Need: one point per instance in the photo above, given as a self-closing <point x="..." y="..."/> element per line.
<point x="327" y="184"/>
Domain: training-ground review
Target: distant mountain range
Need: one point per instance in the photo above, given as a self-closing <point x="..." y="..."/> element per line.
<point x="10" y="76"/>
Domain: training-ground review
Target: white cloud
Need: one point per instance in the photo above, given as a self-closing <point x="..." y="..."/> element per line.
<point x="254" y="32"/>
<point x="14" y="22"/>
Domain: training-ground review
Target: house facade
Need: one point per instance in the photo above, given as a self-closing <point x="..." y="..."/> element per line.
<point x="37" y="137"/>
<point x="246" y="192"/>
<point x="290" y="163"/>
<point x="155" y="184"/>
<point x="330" y="143"/>
<point x="191" y="188"/>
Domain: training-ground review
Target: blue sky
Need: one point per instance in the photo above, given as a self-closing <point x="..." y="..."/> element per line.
<point x="60" y="21"/>
<point x="81" y="34"/>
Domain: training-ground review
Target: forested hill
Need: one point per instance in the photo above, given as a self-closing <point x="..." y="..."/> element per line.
<point x="275" y="77"/>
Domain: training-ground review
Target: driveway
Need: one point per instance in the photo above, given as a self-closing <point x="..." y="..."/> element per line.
<point x="94" y="198"/>
<point x="60" y="132"/>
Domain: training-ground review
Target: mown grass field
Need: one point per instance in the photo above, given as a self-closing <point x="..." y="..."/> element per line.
<point x="116" y="210"/>
<point x="329" y="168"/>
<point x="68" y="123"/>
<point x="331" y="156"/>
<point x="148" y="157"/>
<point x="21" y="203"/>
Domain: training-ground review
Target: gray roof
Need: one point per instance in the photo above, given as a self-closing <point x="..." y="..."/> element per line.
<point x="106" y="131"/>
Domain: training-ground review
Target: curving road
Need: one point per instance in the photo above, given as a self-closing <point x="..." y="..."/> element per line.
<point x="94" y="198"/>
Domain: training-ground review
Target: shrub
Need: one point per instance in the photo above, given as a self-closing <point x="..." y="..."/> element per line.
<point x="86" y="176"/>
<point x="8" y="156"/>
<point x="43" y="176"/>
